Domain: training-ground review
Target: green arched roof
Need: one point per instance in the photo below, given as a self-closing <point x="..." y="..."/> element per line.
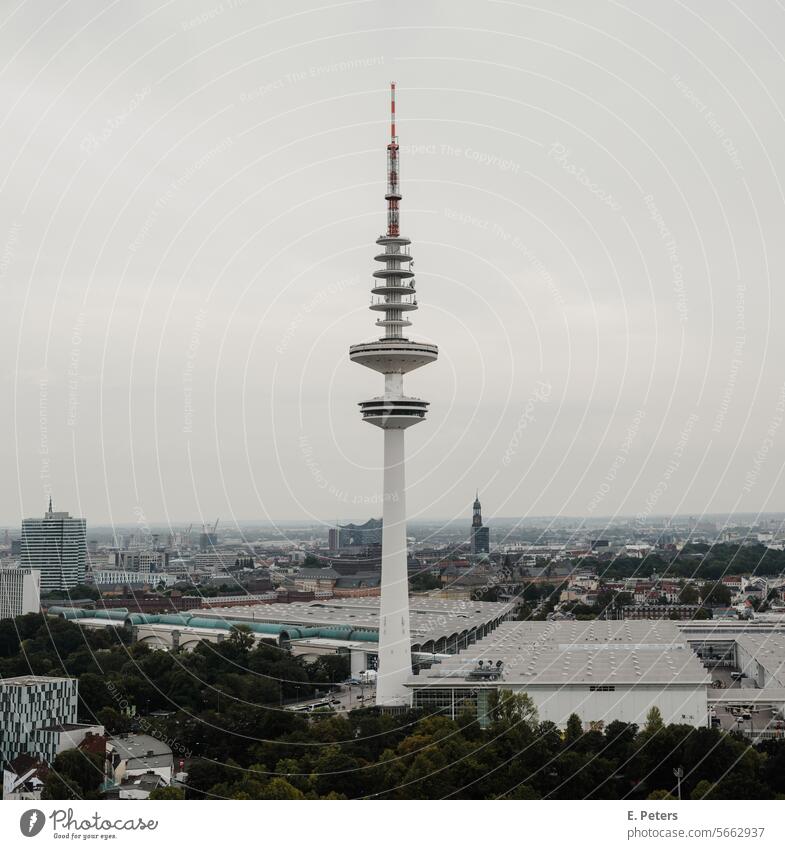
<point x="286" y="632"/>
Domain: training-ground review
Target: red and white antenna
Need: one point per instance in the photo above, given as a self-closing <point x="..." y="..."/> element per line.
<point x="393" y="191"/>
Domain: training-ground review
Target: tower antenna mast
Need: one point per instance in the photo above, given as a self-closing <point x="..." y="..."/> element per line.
<point x="393" y="195"/>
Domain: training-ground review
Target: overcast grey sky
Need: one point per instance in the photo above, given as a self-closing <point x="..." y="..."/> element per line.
<point x="189" y="198"/>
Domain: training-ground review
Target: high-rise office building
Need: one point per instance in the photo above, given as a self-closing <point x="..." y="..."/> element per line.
<point x="480" y="535"/>
<point x="393" y="294"/>
<point x="57" y="546"/>
<point x="20" y="591"/>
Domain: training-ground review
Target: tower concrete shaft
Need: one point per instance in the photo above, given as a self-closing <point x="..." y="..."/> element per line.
<point x="393" y="355"/>
<point x="395" y="641"/>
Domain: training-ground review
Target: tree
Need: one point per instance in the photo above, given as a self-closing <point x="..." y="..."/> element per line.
<point x="9" y="638"/>
<point x="654" y="723"/>
<point x="659" y="795"/>
<point x="113" y="721"/>
<point x="703" y="790"/>
<point x="161" y="793"/>
<point x="611" y="598"/>
<point x="423" y="581"/>
<point x="61" y="788"/>
<point x="241" y="637"/>
<point x="716" y="594"/>
<point x="330" y="669"/>
<point x="574" y="730"/>
<point x="512" y="708"/>
<point x="689" y="594"/>
<point x="79" y="591"/>
<point x="279" y="788"/>
<point x="75" y="775"/>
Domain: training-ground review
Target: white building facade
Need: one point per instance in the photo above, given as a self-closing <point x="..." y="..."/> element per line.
<point x="20" y="591"/>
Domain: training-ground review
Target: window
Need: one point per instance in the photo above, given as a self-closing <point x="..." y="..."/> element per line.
<point x="602" y="688"/>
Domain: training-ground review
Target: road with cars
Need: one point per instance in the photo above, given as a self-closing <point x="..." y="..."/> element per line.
<point x="347" y="697"/>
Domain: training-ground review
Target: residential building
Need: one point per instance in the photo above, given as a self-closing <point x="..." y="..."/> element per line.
<point x="133" y="755"/>
<point x="23" y="778"/>
<point x="316" y="579"/>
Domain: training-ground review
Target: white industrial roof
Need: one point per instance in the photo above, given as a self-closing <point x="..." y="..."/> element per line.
<point x="594" y="653"/>
<point x="431" y="619"/>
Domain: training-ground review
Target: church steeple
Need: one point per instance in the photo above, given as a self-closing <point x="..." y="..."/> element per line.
<point x="480" y="534"/>
<point x="477" y="516"/>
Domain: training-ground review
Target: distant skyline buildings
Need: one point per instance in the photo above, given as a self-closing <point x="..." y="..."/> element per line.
<point x="56" y="545"/>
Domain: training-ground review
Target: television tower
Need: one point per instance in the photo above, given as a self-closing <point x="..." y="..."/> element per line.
<point x="393" y="294"/>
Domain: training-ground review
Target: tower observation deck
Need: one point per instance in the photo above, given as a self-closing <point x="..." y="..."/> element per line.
<point x="394" y="296"/>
